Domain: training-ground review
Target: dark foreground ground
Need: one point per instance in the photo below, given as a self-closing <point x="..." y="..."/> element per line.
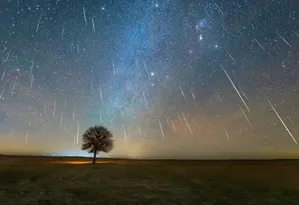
<point x="58" y="181"/>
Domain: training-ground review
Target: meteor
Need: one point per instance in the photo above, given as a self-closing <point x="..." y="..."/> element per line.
<point x="235" y="88"/>
<point x="161" y="128"/>
<point x="282" y="122"/>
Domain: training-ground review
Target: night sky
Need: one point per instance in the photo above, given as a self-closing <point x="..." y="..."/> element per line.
<point x="169" y="78"/>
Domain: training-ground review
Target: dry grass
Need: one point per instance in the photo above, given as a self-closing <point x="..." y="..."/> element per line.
<point x="28" y="180"/>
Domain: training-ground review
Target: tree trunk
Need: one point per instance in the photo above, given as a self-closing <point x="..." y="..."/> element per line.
<point x="94" y="157"/>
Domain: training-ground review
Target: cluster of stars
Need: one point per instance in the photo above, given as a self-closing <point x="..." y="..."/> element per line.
<point x="205" y="72"/>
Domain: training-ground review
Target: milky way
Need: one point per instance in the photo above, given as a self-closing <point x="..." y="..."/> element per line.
<point x="205" y="78"/>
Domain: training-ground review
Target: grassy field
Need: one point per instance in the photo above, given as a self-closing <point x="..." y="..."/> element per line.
<point x="58" y="181"/>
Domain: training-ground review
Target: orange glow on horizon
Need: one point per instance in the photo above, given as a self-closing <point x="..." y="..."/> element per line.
<point x="89" y="162"/>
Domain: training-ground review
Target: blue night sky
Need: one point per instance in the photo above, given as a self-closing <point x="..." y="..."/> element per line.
<point x="171" y="78"/>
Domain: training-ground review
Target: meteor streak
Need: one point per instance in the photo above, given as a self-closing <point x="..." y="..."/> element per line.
<point x="37" y="26"/>
<point x="161" y="128"/>
<point x="101" y="94"/>
<point x="282" y="122"/>
<point x="246" y="117"/>
<point x="183" y="94"/>
<point x="78" y="128"/>
<point x="173" y="126"/>
<point x="226" y="134"/>
<point x="93" y="26"/>
<point x="125" y="134"/>
<point x="284" y="40"/>
<point x="259" y="43"/>
<point x="148" y="75"/>
<point x="230" y="56"/>
<point x="84" y="15"/>
<point x="187" y="123"/>
<point x="54" y="109"/>
<point x="218" y="7"/>
<point x="235" y="88"/>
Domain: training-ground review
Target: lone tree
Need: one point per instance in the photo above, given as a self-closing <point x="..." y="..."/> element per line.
<point x="97" y="139"/>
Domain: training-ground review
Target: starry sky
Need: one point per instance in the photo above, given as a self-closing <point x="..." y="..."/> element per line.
<point x="170" y="79"/>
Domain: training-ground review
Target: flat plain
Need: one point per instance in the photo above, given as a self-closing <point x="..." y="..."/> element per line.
<point x="65" y="180"/>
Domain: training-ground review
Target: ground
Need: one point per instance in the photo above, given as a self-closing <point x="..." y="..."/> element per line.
<point x="59" y="181"/>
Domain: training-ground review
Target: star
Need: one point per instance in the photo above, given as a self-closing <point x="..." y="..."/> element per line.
<point x="200" y="37"/>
